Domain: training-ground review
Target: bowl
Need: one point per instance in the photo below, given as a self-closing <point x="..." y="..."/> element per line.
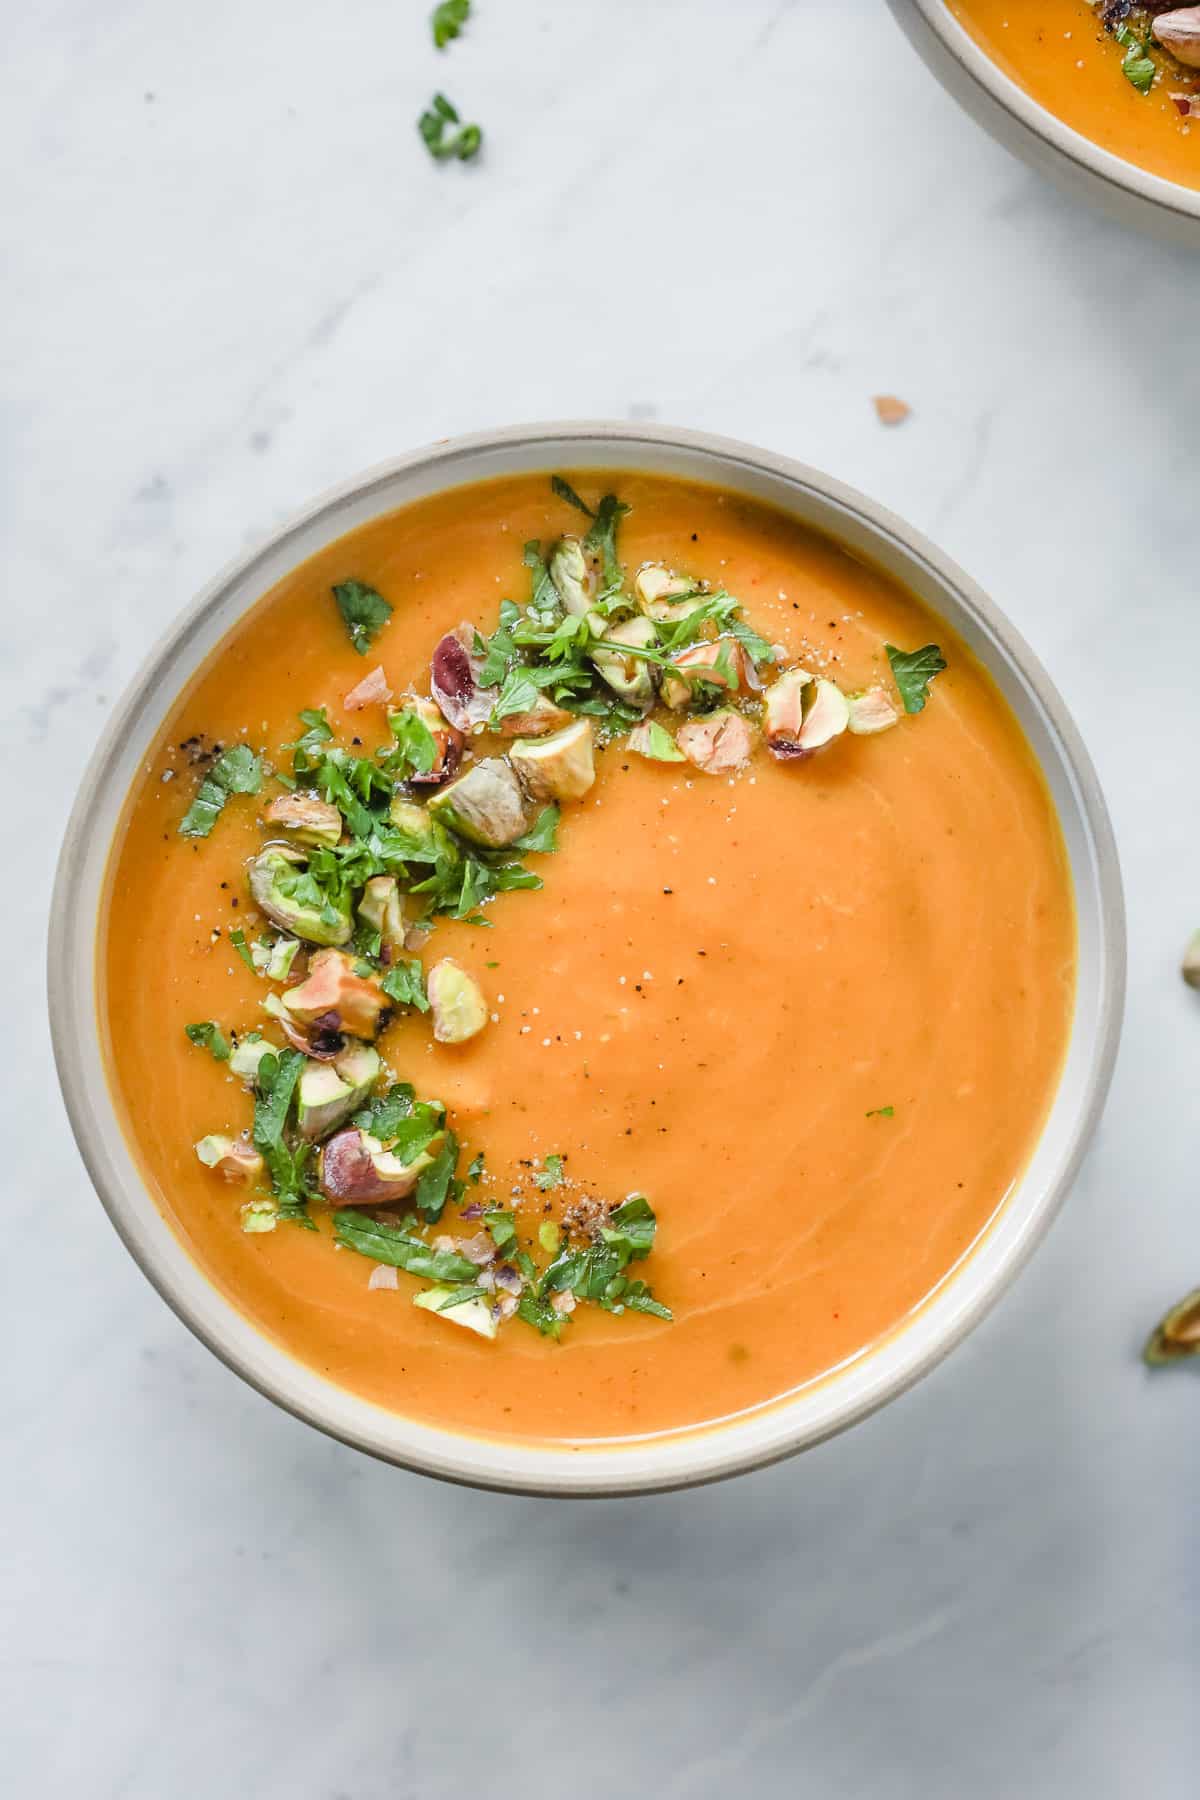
<point x="812" y="1413"/>
<point x="1077" y="165"/>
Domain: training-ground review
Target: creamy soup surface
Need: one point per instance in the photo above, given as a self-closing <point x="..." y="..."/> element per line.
<point x="815" y="1010"/>
<point x="1131" y="97"/>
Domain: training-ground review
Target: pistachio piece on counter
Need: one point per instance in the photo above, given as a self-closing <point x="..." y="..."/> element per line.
<point x="474" y="1313"/>
<point x="871" y="712"/>
<point x="1190" y="967"/>
<point x="1177" y="1334"/>
<point x="561" y="767"/>
<point x="456" y="1002"/>
<point x="270" y="875"/>
<point x="718" y="743"/>
<point x="233" y="1158"/>
<point x="1179" y="32"/>
<point x="486" y="805"/>
<point x="332" y="991"/>
<point x="305" y="818"/>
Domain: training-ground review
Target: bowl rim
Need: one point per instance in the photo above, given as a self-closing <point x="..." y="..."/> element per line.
<point x="551" y="1468"/>
<point x="1171" y="199"/>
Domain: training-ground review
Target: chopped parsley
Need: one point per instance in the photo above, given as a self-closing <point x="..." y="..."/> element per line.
<point x="656" y="742"/>
<point x="1138" y="69"/>
<point x="400" y="1248"/>
<point x="448" y="19"/>
<point x="405" y="984"/>
<point x="550" y="1175"/>
<point x="277" y="1077"/>
<point x="882" y="1112"/>
<point x="462" y="144"/>
<point x="475" y="1169"/>
<point x="235" y="771"/>
<point x="542" y="835"/>
<point x="913" y="670"/>
<point x="415" y="750"/>
<point x="237" y="938"/>
<point x="210" y="1037"/>
<point x="364" y="613"/>
<point x="566" y="492"/>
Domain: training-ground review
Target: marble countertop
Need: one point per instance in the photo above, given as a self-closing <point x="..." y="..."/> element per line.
<point x="233" y="277"/>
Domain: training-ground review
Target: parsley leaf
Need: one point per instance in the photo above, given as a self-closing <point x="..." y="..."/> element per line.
<point x="385" y="1113"/>
<point x="913" y="670"/>
<point x="276" y="1077"/>
<point x="475" y="1169"/>
<point x="882" y="1112"/>
<point x="448" y="20"/>
<point x="463" y="144"/>
<point x="544" y="597"/>
<point x="518" y="694"/>
<point x="550" y="1175"/>
<point x="603" y="538"/>
<point x="539" y="1313"/>
<point x="237" y="938"/>
<point x="405" y="984"/>
<point x="1139" y="71"/>
<point x="503" y="1228"/>
<point x="415" y="750"/>
<point x="392" y="1244"/>
<point x="210" y="1037"/>
<point x="631" y="1228"/>
<point x="235" y="771"/>
<point x="543" y="834"/>
<point x="436" y="1183"/>
<point x="566" y="492"/>
<point x="363" y="611"/>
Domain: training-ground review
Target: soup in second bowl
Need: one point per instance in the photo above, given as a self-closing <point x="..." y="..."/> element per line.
<point x="586" y="958"/>
<point x="1127" y="77"/>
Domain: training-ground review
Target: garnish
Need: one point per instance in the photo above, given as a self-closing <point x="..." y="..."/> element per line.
<point x="566" y="492"/>
<point x="415" y="751"/>
<point x="404" y="983"/>
<point x="1177" y="1334"/>
<point x="1138" y="68"/>
<point x="882" y="1112"/>
<point x="211" y="1038"/>
<point x="542" y="835"/>
<point x="475" y="1169"/>
<point x="277" y="1078"/>
<point x="364" y="612"/>
<point x="448" y="19"/>
<point x="913" y="670"/>
<point x="655" y="741"/>
<point x="235" y="771"/>
<point x="237" y="938"/>
<point x="402" y="1249"/>
<point x="462" y="144"/>
<point x="550" y="1175"/>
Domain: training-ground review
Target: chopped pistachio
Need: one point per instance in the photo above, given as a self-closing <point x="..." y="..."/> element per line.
<point x="485" y="806"/>
<point x="260" y="1215"/>
<point x="233" y="1158"/>
<point x="871" y="712"/>
<point x="333" y="987"/>
<point x="561" y="767"/>
<point x="305" y="818"/>
<point x="382" y="906"/>
<point x="475" y="1313"/>
<point x="1177" y="1334"/>
<point x="329" y="923"/>
<point x="246" y="1055"/>
<point x="1190" y="967"/>
<point x="457" y="1003"/>
<point x="718" y="743"/>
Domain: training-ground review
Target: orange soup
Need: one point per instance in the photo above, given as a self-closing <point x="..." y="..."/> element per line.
<point x="585" y="961"/>
<point x="1104" y="71"/>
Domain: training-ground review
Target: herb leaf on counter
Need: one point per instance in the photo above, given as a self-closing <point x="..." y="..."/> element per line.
<point x="913" y="670"/>
<point x="364" y="612"/>
<point x="463" y="144"/>
<point x="448" y="19"/>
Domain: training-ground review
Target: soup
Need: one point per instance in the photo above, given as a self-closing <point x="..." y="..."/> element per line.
<point x="1103" y="71"/>
<point x="754" y="1004"/>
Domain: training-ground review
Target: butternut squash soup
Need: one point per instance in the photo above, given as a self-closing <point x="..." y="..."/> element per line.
<point x="1125" y="76"/>
<point x="586" y="958"/>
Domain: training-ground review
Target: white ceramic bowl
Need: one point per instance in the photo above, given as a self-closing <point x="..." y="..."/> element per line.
<point x="1074" y="162"/>
<point x="812" y="1413"/>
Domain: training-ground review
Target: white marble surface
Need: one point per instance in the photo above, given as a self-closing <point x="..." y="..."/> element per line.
<point x="231" y="277"/>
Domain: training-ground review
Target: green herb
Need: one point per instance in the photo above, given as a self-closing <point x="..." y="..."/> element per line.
<point x="209" y="1037"/>
<point x="307" y="750"/>
<point x="659" y="745"/>
<point x="631" y="1227"/>
<point x="405" y="984"/>
<point x="566" y="492"/>
<point x="415" y="749"/>
<point x="236" y="771"/>
<point x="448" y="20"/>
<point x="544" y="597"/>
<point x="460" y="1295"/>
<point x="364" y="612"/>
<point x="384" y="1114"/>
<point x="638" y="1298"/>
<point x="542" y="836"/>
<point x="519" y="694"/>
<point x="503" y="1228"/>
<point x="882" y="1112"/>
<point x="393" y="1245"/>
<point x="475" y="1169"/>
<point x="550" y="1175"/>
<point x="1139" y="71"/>
<point x="913" y="670"/>
<point x="499" y="650"/>
<point x="237" y="938"/>
<point x="539" y="1313"/>
<point x="276" y="1078"/>
<point x="602" y="538"/>
<point x="463" y="144"/>
<point x="597" y="1273"/>
<point x="437" y="1183"/>
<point x="755" y="646"/>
